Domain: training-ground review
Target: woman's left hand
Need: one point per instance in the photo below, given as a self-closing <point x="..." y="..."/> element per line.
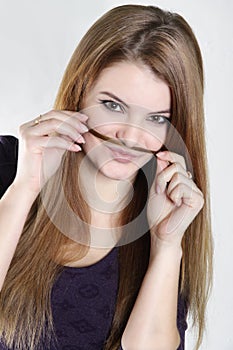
<point x="171" y="210"/>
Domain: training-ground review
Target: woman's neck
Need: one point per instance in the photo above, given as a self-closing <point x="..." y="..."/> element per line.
<point x="106" y="199"/>
<point x="105" y="196"/>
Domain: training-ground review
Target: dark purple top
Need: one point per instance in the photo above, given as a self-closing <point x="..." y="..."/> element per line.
<point x="83" y="303"/>
<point x="8" y="161"/>
<point x="83" y="299"/>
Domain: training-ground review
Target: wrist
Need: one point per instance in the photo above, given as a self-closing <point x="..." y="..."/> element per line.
<point x="159" y="247"/>
<point x="22" y="193"/>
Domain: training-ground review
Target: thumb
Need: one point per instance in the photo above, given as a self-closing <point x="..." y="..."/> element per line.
<point x="161" y="165"/>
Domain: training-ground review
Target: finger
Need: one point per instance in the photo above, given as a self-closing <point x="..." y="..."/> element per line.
<point x="167" y="174"/>
<point x="54" y="126"/>
<point x="75" y="119"/>
<point x="177" y="180"/>
<point x="182" y="178"/>
<point x="42" y="143"/>
<point x="78" y="115"/>
<point x="182" y="216"/>
<point x="184" y="194"/>
<point x="161" y="165"/>
<point x="172" y="157"/>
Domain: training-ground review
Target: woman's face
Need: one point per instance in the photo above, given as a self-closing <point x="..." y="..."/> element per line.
<point x="130" y="104"/>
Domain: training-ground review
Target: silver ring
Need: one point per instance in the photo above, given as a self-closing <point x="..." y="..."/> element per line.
<point x="189" y="175"/>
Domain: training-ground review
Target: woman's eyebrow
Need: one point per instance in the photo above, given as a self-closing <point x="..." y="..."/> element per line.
<point x="115" y="97"/>
<point x="110" y="94"/>
<point x="160" y="112"/>
<point x="167" y="111"/>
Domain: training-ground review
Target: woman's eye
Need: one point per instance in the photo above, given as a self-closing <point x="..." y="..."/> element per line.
<point x="112" y="106"/>
<point x="159" y="119"/>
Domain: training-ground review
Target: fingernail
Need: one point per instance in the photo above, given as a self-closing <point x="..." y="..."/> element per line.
<point x="161" y="154"/>
<point x="77" y="147"/>
<point x="81" y="140"/>
<point x="84" y="128"/>
<point x="158" y="189"/>
<point x="84" y="117"/>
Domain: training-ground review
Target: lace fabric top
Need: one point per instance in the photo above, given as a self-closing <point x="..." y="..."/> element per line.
<point x="83" y="304"/>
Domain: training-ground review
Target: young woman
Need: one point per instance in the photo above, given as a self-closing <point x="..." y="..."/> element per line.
<point x="105" y="234"/>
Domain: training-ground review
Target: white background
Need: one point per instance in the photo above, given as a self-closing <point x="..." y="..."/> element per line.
<point x="37" y="39"/>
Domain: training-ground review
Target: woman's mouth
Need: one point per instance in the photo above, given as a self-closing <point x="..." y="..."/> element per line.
<point x="121" y="156"/>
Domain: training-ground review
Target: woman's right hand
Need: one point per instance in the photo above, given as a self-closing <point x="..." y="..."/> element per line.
<point x="44" y="143"/>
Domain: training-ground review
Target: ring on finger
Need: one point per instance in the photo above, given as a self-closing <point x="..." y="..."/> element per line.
<point x="37" y="120"/>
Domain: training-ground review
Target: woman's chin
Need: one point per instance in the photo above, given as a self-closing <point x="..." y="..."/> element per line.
<point x="119" y="170"/>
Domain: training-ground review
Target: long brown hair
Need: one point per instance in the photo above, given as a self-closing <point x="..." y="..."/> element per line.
<point x="165" y="43"/>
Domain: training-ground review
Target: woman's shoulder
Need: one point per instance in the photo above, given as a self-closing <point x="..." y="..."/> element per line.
<point x="8" y="147"/>
<point x="7" y="139"/>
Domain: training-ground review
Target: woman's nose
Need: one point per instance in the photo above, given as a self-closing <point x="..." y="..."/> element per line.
<point x="130" y="135"/>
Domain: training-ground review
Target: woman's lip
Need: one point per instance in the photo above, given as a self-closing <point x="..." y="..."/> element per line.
<point x="117" y="153"/>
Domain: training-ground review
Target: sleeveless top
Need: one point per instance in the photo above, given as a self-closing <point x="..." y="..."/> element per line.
<point x="83" y="299"/>
<point x="83" y="304"/>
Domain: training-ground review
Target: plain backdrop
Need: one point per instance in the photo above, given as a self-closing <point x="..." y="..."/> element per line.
<point x="37" y="39"/>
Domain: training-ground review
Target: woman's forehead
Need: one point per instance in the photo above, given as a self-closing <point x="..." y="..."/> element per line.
<point x="134" y="84"/>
